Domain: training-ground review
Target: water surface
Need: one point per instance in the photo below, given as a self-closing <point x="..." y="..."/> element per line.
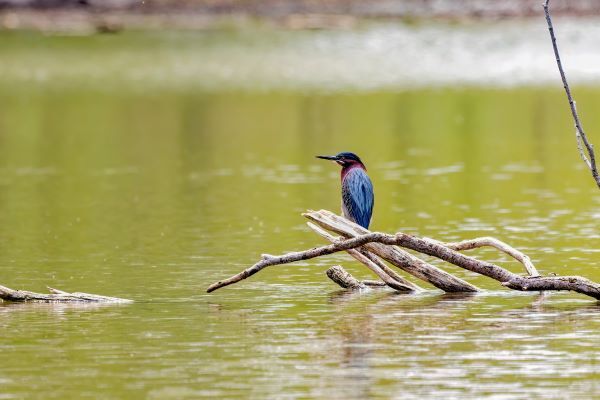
<point x="154" y="194"/>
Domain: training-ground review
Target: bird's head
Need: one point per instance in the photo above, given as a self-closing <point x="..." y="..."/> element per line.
<point x="345" y="159"/>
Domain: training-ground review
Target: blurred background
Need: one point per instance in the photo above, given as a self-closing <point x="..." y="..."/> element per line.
<point x="293" y="13"/>
<point x="150" y="148"/>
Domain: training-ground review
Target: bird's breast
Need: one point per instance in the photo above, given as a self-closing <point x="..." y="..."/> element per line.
<point x="357" y="196"/>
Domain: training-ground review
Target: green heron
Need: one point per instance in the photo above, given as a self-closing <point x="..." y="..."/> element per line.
<point x="357" y="189"/>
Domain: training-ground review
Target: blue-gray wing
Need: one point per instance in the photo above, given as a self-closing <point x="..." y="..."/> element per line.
<point x="357" y="196"/>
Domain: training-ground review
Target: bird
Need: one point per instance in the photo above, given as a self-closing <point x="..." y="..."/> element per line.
<point x="357" y="189"/>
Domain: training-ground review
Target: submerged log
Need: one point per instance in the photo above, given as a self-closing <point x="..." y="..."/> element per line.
<point x="344" y="279"/>
<point x="573" y="283"/>
<point x="56" y="296"/>
<point x="388" y="276"/>
<point x="384" y="245"/>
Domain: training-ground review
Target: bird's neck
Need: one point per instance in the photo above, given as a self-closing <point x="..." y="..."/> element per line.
<point x="350" y="167"/>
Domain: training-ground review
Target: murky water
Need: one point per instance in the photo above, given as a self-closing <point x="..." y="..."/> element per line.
<point x="153" y="195"/>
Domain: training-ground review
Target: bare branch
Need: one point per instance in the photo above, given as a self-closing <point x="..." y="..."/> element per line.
<point x="579" y="146"/>
<point x="507" y="278"/>
<point x="574" y="283"/>
<point x="591" y="162"/>
<point x="493" y="242"/>
<point x="269" y="260"/>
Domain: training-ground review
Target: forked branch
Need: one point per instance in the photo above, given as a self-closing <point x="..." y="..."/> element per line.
<point x="498" y="244"/>
<point x="268" y="260"/>
<point x="424" y="246"/>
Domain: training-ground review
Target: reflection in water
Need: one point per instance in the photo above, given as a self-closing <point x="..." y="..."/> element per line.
<point x="355" y="332"/>
<point x="57" y="309"/>
<point x="356" y="328"/>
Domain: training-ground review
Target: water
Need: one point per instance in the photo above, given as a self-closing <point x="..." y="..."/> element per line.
<point x="152" y="194"/>
<point x="366" y="58"/>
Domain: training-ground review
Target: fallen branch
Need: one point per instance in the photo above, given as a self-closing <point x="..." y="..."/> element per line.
<point x="344" y="279"/>
<point x="56" y="296"/>
<point x="575" y="283"/>
<point x="430" y="247"/>
<point x="579" y="133"/>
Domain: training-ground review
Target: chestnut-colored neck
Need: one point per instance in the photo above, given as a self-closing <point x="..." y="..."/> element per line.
<point x="349" y="167"/>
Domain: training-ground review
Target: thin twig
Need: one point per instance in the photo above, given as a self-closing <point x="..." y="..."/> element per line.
<point x="591" y="163"/>
<point x="579" y="146"/>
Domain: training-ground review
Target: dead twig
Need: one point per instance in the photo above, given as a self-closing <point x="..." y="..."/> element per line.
<point x="579" y="133"/>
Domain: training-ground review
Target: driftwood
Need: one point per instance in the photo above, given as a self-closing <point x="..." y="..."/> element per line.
<point x="56" y="296"/>
<point x="343" y="278"/>
<point x="384" y="245"/>
<point x="579" y="133"/>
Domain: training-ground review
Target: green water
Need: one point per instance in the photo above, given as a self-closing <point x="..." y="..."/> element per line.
<point x="153" y="194"/>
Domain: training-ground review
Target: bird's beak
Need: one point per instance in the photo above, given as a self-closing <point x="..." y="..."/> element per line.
<point x="332" y="158"/>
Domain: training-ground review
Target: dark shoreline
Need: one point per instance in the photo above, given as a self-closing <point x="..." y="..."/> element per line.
<point x="115" y="15"/>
